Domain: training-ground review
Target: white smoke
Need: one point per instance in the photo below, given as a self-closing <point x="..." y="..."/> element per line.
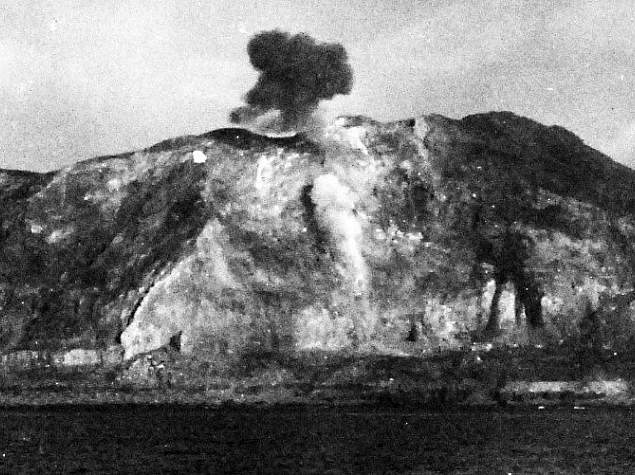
<point x="340" y="133"/>
<point x="264" y="173"/>
<point x="335" y="209"/>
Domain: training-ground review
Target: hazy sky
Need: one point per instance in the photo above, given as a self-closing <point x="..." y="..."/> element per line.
<point x="94" y="77"/>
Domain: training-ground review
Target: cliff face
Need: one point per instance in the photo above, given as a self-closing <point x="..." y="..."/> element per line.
<point x="358" y="236"/>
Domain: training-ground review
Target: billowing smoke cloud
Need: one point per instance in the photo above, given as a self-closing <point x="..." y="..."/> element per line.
<point x="296" y="73"/>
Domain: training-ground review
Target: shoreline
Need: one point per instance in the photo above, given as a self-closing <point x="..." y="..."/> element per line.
<point x="470" y="377"/>
<point x="541" y="394"/>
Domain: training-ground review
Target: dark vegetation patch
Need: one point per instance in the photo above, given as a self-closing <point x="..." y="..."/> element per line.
<point x="156" y="220"/>
<point x="19" y="185"/>
<point x="494" y="168"/>
<point x="239" y="138"/>
<point x="405" y="199"/>
<point x="245" y="140"/>
<point x="553" y="158"/>
<point x="310" y="219"/>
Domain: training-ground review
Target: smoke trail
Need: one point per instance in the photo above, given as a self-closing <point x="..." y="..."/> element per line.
<point x="335" y="211"/>
<point x="296" y="73"/>
<point x="335" y="206"/>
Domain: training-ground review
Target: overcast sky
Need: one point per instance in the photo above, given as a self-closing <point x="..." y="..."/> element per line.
<point x="94" y="77"/>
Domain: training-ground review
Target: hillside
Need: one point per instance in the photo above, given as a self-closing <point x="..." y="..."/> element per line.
<point x="381" y="238"/>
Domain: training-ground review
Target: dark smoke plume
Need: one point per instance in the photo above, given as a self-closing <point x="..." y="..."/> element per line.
<point x="296" y="73"/>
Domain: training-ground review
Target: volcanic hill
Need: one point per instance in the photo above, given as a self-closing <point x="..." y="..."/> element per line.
<point x="361" y="236"/>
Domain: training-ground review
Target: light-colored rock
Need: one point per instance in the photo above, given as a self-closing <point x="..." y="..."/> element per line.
<point x="199" y="157"/>
<point x="77" y="357"/>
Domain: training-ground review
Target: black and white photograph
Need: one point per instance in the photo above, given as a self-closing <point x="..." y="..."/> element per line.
<point x="317" y="237"/>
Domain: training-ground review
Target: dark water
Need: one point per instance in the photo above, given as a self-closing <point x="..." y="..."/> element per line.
<point x="169" y="439"/>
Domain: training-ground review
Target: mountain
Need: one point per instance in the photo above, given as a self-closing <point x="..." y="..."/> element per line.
<point x="361" y="236"/>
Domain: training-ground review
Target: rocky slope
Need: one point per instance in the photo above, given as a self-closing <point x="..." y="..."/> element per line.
<point x="362" y="236"/>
